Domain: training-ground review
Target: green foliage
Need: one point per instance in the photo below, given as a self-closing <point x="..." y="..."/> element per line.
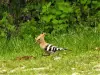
<point x="82" y="58"/>
<point x="6" y="24"/>
<point x="56" y="17"/>
<point x="28" y="29"/>
<point x="76" y="24"/>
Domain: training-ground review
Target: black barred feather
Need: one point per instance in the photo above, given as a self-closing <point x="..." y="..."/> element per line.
<point x="52" y="49"/>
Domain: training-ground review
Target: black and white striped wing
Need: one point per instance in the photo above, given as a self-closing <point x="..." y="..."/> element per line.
<point x="50" y="48"/>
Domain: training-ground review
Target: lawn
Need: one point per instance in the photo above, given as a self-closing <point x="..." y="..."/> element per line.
<point x="83" y="58"/>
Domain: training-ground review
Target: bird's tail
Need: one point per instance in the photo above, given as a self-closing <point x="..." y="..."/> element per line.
<point x="63" y="49"/>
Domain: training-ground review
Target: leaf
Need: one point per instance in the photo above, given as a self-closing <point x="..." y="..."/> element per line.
<point x="53" y="11"/>
<point x="44" y="18"/>
<point x="49" y="4"/>
<point x="44" y="9"/>
<point x="2" y="34"/>
<point x="58" y="12"/>
<point x="63" y="15"/>
<point x="61" y="21"/>
<point x="88" y="1"/>
<point x="55" y="21"/>
<point x="48" y="18"/>
<point x="94" y="2"/>
<point x="68" y="10"/>
<point x="98" y="13"/>
<point x="83" y="1"/>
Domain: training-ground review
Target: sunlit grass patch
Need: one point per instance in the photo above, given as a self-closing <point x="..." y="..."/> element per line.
<point x="83" y="64"/>
<point x="83" y="58"/>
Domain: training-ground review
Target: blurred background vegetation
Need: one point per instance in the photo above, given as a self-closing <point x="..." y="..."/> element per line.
<point x="72" y="24"/>
<point x="27" y="18"/>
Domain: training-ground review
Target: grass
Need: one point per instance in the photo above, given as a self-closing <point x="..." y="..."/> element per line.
<point x="84" y="59"/>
